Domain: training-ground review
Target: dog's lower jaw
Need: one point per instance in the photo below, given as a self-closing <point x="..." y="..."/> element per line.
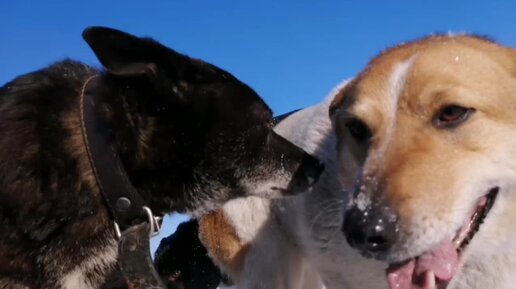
<point x="489" y="260"/>
<point x="440" y="265"/>
<point x="486" y="271"/>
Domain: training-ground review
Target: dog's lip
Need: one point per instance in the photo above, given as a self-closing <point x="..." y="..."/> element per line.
<point x="466" y="233"/>
<point x="281" y="190"/>
<point x="292" y="190"/>
<point x="284" y="191"/>
<point x="441" y="263"/>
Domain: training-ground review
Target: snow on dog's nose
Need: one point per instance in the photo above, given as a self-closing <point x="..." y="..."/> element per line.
<point x="370" y="225"/>
<point x="370" y="228"/>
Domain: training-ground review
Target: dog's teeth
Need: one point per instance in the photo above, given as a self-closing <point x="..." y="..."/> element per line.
<point x="430" y="276"/>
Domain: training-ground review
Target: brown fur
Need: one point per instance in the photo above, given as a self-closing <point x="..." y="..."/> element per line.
<point x="225" y="246"/>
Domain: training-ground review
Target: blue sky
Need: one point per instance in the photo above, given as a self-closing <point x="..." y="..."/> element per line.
<point x="291" y="52"/>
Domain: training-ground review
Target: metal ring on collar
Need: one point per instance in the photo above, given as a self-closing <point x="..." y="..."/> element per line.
<point x="154" y="224"/>
<point x="155" y="227"/>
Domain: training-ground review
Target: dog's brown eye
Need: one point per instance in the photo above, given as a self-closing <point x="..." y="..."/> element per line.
<point x="451" y="116"/>
<point x="358" y="130"/>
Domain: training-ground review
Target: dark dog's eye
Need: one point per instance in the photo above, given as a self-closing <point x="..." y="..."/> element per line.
<point x="451" y="116"/>
<point x="175" y="276"/>
<point x="358" y="130"/>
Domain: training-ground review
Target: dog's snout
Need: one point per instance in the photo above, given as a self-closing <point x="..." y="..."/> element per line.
<point x="282" y="145"/>
<point x="372" y="231"/>
<point x="306" y="168"/>
<point x="306" y="175"/>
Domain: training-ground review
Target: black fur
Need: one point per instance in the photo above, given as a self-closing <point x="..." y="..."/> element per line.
<point x="183" y="262"/>
<point x="187" y="132"/>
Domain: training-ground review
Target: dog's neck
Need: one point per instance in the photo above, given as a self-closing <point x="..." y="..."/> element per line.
<point x="130" y="127"/>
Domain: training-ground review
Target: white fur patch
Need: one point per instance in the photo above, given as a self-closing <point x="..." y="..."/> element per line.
<point x="311" y="129"/>
<point x="396" y="85"/>
<point x="95" y="266"/>
<point x="247" y="215"/>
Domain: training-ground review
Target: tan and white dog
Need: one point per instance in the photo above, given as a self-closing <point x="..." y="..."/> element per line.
<point x="431" y="129"/>
<point x="293" y="243"/>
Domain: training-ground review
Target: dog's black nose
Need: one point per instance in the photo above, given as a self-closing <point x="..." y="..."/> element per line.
<point x="307" y="168"/>
<point x="306" y="175"/>
<point x="372" y="231"/>
<point x="311" y="168"/>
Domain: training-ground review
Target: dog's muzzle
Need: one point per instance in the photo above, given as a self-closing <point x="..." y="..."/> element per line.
<point x="307" y="168"/>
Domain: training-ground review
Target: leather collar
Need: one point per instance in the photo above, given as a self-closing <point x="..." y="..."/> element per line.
<point x="125" y="204"/>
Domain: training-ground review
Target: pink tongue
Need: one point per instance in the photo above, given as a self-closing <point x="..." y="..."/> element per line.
<point x="414" y="274"/>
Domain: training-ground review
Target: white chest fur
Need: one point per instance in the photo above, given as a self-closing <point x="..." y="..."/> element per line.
<point x="91" y="273"/>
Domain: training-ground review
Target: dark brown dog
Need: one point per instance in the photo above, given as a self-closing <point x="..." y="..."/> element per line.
<point x="189" y="136"/>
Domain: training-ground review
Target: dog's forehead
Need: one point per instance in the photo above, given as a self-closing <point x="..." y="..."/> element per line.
<point x="374" y="96"/>
<point x="413" y="74"/>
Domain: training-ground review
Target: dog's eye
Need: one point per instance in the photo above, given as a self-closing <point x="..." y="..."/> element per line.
<point x="358" y="130"/>
<point x="451" y="116"/>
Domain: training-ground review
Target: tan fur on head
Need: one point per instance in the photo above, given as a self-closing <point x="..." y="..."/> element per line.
<point x="384" y="62"/>
<point x="432" y="177"/>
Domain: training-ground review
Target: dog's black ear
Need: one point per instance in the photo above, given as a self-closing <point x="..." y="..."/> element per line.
<point x="121" y="53"/>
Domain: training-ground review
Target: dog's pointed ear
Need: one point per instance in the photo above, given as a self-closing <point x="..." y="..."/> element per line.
<point x="121" y="53"/>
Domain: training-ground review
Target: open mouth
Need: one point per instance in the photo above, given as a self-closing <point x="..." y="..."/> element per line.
<point x="436" y="268"/>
